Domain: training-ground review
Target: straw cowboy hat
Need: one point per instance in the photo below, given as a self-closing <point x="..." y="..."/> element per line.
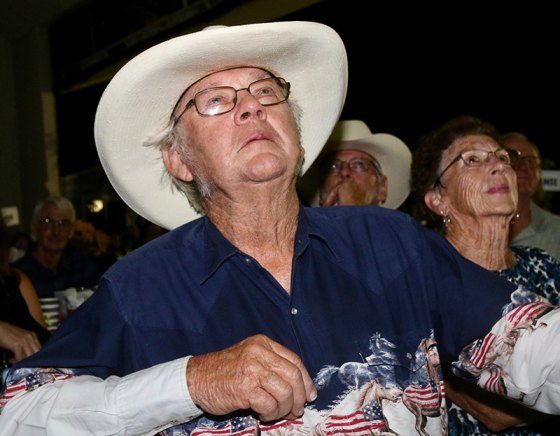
<point x="139" y="100"/>
<point x="392" y="154"/>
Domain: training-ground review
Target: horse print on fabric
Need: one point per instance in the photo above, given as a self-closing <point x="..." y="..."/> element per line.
<point x="427" y="399"/>
<point x="377" y="402"/>
<point x="484" y="360"/>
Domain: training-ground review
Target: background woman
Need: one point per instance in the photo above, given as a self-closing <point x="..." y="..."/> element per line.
<point x="466" y="188"/>
<point x="22" y="327"/>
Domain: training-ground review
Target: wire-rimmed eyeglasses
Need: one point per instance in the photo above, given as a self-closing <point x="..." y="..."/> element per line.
<point x="476" y="158"/>
<point x="529" y="161"/>
<point x="222" y="99"/>
<point x="356" y="165"/>
<point x="50" y="223"/>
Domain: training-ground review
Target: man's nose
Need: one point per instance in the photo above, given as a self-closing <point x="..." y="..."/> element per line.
<point x="57" y="229"/>
<point x="345" y="170"/>
<point x="248" y="104"/>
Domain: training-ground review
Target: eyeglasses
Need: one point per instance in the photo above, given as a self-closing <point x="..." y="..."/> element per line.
<point x="356" y="165"/>
<point x="477" y="158"/>
<point x="529" y="161"/>
<point x="51" y="223"/>
<point x="222" y="99"/>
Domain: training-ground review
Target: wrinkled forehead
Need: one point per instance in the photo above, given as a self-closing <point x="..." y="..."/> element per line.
<point x="347" y="154"/>
<point x="52" y="210"/>
<point x="219" y="77"/>
<point x="472" y="142"/>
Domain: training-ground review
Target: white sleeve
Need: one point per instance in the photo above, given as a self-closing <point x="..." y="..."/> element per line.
<point x="141" y="403"/>
<point x="532" y="374"/>
<point x="520" y="357"/>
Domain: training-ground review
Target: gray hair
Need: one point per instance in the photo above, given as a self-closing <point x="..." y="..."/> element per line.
<point x="199" y="190"/>
<point x="520" y="137"/>
<point x="61" y="203"/>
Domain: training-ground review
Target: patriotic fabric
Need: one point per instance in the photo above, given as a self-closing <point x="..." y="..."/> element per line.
<point x="237" y="426"/>
<point x="378" y="303"/>
<point x="535" y="270"/>
<point x="31" y="379"/>
<point x="247" y="425"/>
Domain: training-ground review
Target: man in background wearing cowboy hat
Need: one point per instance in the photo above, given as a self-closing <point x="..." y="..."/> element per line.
<point x="357" y="167"/>
<point x="254" y="314"/>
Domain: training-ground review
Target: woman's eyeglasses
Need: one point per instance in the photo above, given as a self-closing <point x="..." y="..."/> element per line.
<point x="476" y="158"/>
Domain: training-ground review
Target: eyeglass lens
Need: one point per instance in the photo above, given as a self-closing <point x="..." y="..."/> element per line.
<point x="51" y="223"/>
<point x="476" y="158"/>
<point x="356" y="165"/>
<point x="222" y="99"/>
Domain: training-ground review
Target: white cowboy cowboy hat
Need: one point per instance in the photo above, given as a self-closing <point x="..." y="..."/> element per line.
<point x="139" y="100"/>
<point x="393" y="156"/>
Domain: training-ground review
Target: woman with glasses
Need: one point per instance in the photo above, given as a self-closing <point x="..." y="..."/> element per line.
<point x="534" y="226"/>
<point x="466" y="188"/>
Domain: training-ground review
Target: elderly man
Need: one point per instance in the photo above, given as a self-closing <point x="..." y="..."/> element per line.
<point x="51" y="264"/>
<point x="263" y="316"/>
<point x="357" y="167"/>
<point x="534" y="226"/>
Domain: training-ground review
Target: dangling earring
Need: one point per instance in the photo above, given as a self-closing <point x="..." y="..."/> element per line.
<point x="446" y="219"/>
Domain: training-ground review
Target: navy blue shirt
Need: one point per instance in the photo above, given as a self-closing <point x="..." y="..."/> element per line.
<point x="75" y="269"/>
<point x="370" y="286"/>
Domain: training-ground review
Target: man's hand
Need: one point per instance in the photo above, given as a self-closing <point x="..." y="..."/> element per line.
<point x="256" y="373"/>
<point x="346" y="193"/>
<point x="19" y="341"/>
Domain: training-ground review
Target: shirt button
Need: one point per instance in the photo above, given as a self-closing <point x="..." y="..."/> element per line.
<point x="247" y="260"/>
<point x="293" y="311"/>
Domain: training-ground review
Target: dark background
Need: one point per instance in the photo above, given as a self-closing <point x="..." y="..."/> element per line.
<point x="411" y="68"/>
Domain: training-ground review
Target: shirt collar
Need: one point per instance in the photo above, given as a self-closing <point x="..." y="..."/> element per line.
<point x="218" y="249"/>
<point x="313" y="225"/>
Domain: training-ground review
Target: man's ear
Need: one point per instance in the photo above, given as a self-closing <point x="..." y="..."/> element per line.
<point x="382" y="194"/>
<point x="175" y="165"/>
<point x="435" y="203"/>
